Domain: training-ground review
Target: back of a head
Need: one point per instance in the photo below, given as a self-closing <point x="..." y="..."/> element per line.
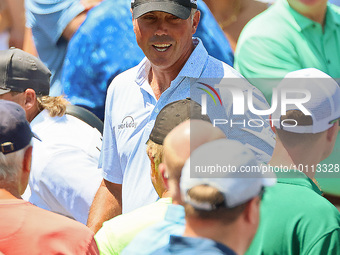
<point x="217" y="180"/>
<point x="15" y="137"/>
<point x="316" y="106"/>
<point x="168" y="118"/>
<point x="21" y="70"/>
<point x="185" y="138"/>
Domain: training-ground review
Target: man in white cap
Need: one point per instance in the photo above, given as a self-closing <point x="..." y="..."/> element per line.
<point x="295" y="218"/>
<point x="221" y="199"/>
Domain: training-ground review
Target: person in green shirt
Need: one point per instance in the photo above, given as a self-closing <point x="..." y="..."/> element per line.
<point x="292" y="35"/>
<point x="295" y="218"/>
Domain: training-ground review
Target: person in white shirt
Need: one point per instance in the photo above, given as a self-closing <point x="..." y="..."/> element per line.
<point x="65" y="174"/>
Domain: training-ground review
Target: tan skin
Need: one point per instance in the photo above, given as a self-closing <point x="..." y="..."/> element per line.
<point x="153" y="31"/>
<point x="312" y="9"/>
<point x="236" y="235"/>
<point x="156" y="29"/>
<point x="27" y="100"/>
<point x="244" y="11"/>
<point x="305" y="153"/>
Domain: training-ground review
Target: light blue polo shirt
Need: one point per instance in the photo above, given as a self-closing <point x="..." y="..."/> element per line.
<point x="48" y="19"/>
<point x="157" y="236"/>
<point x="131" y="110"/>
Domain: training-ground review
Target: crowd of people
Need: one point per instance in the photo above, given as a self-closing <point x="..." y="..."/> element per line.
<point x="132" y="128"/>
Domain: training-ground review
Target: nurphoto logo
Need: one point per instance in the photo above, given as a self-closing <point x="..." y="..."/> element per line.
<point x="240" y="100"/>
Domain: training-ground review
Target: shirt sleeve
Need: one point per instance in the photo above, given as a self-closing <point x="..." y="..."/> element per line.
<point x="68" y="183"/>
<point x="265" y="57"/>
<point x="258" y="58"/>
<point x="51" y="18"/>
<point x="110" y="160"/>
<point x="104" y="239"/>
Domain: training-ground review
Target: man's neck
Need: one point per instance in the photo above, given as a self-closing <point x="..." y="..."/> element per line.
<point x="303" y="161"/>
<point x="316" y="12"/>
<point x="214" y="230"/>
<point x="160" y="81"/>
<point x="5" y="194"/>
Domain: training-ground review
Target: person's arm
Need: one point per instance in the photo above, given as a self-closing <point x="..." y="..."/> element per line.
<point x="29" y="45"/>
<point x="107" y="204"/>
<point x="75" y="23"/>
<point x="17" y="30"/>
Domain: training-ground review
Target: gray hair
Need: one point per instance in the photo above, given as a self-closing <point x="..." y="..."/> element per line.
<point x="11" y="165"/>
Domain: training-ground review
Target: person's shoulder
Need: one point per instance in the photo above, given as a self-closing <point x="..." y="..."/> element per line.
<point x="50" y="222"/>
<point x="266" y="24"/>
<point x="218" y="69"/>
<point x="61" y="232"/>
<point x="313" y="204"/>
<point x="145" y="215"/>
<point x="125" y="79"/>
<point x="335" y="9"/>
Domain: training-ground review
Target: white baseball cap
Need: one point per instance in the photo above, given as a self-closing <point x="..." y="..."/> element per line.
<point x="238" y="184"/>
<point x="323" y="105"/>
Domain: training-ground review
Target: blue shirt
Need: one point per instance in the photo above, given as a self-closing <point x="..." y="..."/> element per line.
<point x="157" y="236"/>
<point x="105" y="45"/>
<point x="131" y="110"/>
<point x="48" y="19"/>
<point x="192" y="246"/>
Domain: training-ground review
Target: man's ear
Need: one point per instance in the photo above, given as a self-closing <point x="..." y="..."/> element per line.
<point x="27" y="159"/>
<point x="195" y="21"/>
<point x="332" y="132"/>
<point x="31" y="104"/>
<point x="26" y="169"/>
<point x="30" y="99"/>
<point x="252" y="211"/>
<point x="162" y="170"/>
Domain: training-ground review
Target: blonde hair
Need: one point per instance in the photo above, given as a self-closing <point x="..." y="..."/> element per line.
<point x="211" y="195"/>
<point x="155" y="151"/>
<point x="56" y="106"/>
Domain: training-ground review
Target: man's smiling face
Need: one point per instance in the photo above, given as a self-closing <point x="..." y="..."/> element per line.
<point x="165" y="39"/>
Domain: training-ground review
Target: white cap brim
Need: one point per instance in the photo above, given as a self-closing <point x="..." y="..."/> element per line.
<point x="4" y="91"/>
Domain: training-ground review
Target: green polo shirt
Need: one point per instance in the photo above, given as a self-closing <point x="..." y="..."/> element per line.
<point x="281" y="40"/>
<point x="118" y="232"/>
<point x="296" y="219"/>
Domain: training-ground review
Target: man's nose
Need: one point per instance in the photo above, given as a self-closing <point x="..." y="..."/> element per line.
<point x="162" y="28"/>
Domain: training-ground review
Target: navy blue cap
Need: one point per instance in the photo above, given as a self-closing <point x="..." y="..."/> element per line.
<point x="15" y="131"/>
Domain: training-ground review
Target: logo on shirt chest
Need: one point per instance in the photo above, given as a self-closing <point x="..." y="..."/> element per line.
<point x="127" y="122"/>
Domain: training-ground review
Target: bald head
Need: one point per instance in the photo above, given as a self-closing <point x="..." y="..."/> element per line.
<point x="185" y="138"/>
